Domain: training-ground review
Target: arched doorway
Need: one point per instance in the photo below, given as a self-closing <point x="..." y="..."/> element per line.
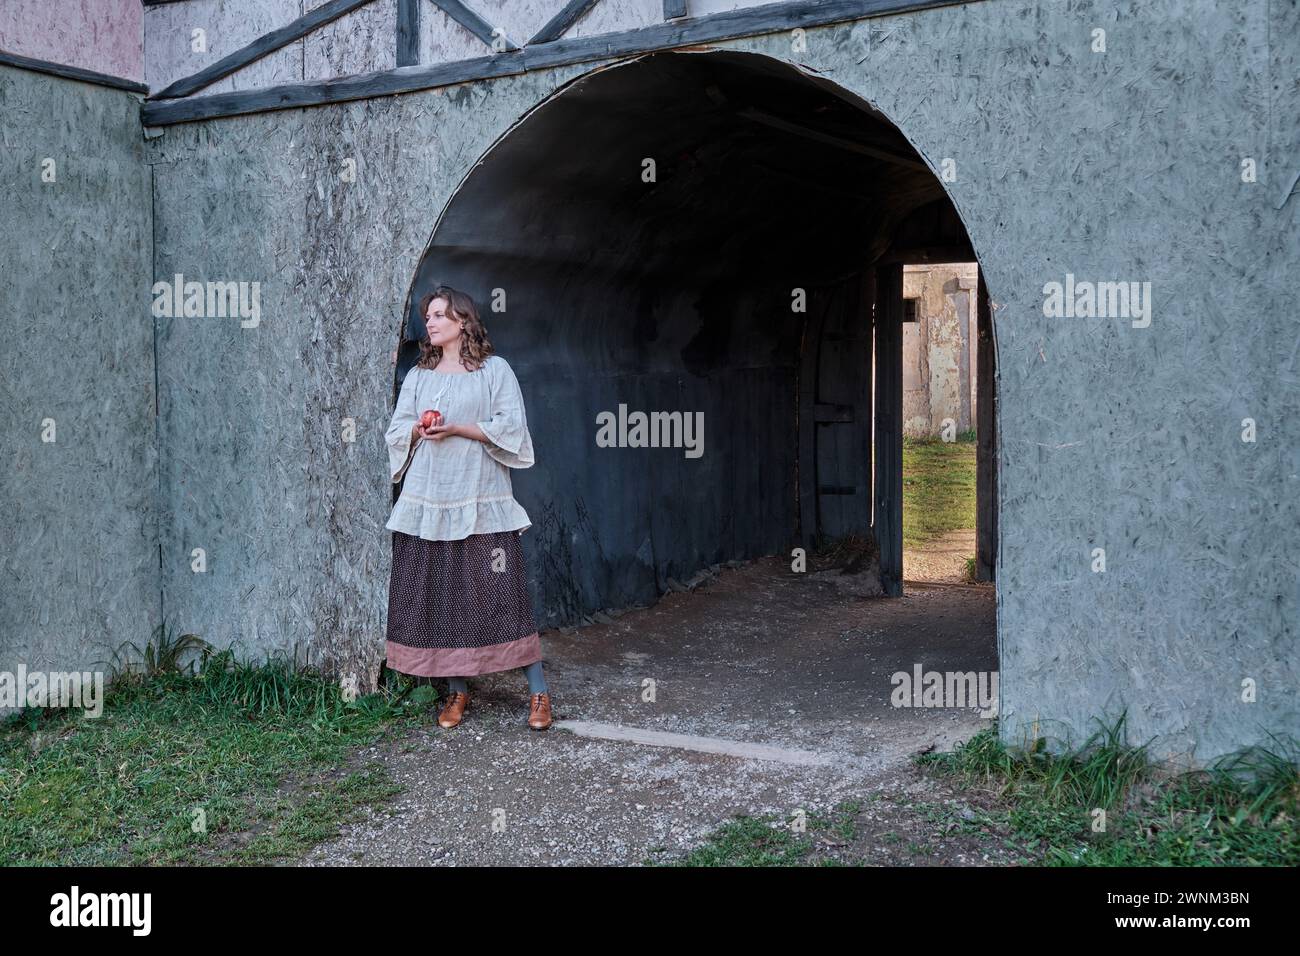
<point x="717" y="236"/>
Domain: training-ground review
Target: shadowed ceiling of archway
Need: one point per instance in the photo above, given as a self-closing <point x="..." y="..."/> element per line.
<point x="758" y="166"/>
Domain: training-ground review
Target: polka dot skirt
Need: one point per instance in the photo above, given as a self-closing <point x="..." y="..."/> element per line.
<point x="471" y="593"/>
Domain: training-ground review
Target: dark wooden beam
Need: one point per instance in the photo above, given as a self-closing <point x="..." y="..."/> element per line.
<point x="263" y="45"/>
<point x="567" y="17"/>
<point x="806" y="467"/>
<point x="471" y="21"/>
<point x="341" y="90"/>
<point x="750" y="21"/>
<point x="920" y="255"/>
<point x="888" y="521"/>
<point x="71" y="72"/>
<point x="797" y="129"/>
<point x="986" y="454"/>
<point x="674" y="9"/>
<point x="802" y="181"/>
<point x="828" y="412"/>
<point x="866" y="387"/>
<point x="408" y="32"/>
<point x="691" y="31"/>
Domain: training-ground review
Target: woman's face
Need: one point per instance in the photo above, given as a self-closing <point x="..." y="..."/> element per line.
<point x="442" y="327"/>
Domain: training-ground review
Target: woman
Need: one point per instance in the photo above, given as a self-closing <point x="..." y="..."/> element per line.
<point x="458" y="601"/>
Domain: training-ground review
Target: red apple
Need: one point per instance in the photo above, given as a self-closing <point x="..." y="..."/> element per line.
<point x="426" y="420"/>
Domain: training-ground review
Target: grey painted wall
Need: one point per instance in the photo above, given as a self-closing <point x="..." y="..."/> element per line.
<point x="78" y="527"/>
<point x="1123" y="165"/>
<point x="290" y="515"/>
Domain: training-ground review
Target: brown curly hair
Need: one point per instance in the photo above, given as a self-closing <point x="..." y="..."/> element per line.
<point x="474" y="344"/>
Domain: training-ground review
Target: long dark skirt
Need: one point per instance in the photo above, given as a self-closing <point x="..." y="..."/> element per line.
<point x="459" y="608"/>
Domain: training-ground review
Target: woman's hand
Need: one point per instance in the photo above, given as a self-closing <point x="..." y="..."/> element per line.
<point x="439" y="432"/>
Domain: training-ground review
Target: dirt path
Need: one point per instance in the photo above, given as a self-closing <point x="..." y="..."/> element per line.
<point x="941" y="559"/>
<point x="757" y="655"/>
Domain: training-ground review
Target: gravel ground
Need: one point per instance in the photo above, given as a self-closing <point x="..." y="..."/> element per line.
<point x="753" y="653"/>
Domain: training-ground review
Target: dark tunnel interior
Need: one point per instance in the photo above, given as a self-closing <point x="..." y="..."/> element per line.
<point x="676" y="294"/>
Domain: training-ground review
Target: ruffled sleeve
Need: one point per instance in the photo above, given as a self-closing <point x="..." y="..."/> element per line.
<point x="400" y="446"/>
<point x="508" y="439"/>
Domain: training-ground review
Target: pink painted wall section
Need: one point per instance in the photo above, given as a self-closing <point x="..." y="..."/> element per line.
<point x="102" y="35"/>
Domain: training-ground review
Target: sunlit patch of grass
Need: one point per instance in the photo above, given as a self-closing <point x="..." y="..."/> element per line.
<point x="938" y="488"/>
<point x="1241" y="810"/>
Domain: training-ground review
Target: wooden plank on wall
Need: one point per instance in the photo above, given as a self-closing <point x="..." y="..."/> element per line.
<point x="986" y="456"/>
<point x="889" y="426"/>
<point x="806" y="484"/>
<point x="71" y="72"/>
<point x="690" y="31"/>
<point x="263" y="45"/>
<point x="866" y="395"/>
<point x="342" y="90"/>
<point x="843" y="412"/>
<point x="408" y="32"/>
<point x="558" y="24"/>
<point x="472" y="22"/>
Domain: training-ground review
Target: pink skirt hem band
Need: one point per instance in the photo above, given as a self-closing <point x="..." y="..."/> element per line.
<point x="464" y="661"/>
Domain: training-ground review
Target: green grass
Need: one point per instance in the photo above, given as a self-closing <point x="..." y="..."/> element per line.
<point x="1239" y="811"/>
<point x="767" y="841"/>
<point x="222" y="737"/>
<point x="299" y="822"/>
<point x="938" y="487"/>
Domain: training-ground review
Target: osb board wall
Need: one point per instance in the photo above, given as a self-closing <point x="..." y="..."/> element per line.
<point x="106" y="36"/>
<point x="78" y="525"/>
<point x="258" y="474"/>
<point x="1116" y="166"/>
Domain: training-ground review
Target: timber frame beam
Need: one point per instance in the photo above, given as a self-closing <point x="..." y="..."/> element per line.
<point x="269" y="43"/>
<point x="71" y="72"/>
<point x="539" y="54"/>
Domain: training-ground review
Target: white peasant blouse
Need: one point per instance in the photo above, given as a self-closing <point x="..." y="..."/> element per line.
<point x="456" y="487"/>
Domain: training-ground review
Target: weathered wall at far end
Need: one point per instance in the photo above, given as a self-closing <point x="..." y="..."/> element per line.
<point x="78" y="534"/>
<point x="939" y="366"/>
<point x="1115" y="166"/>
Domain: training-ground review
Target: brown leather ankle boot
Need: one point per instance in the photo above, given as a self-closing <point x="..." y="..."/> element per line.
<point x="451" y="714"/>
<point x="539" y="712"/>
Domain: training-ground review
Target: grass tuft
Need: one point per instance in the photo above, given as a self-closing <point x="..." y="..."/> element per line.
<point x="1241" y="810"/>
<point x="186" y="755"/>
